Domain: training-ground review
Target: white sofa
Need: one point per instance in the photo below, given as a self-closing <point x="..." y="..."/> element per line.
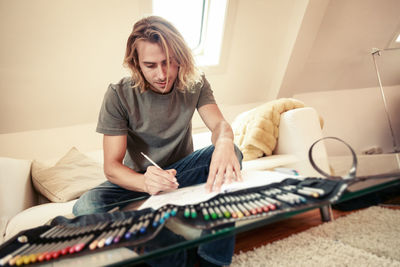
<point x="22" y="207"/>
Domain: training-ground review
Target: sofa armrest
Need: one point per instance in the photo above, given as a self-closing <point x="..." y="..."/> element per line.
<point x="16" y="190"/>
<point x="298" y="130"/>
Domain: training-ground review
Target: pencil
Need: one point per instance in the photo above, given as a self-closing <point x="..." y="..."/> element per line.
<point x="149" y="159"/>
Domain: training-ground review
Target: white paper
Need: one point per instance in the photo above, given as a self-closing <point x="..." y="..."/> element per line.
<point x="183" y="196"/>
<point x="195" y="194"/>
<point x="256" y="178"/>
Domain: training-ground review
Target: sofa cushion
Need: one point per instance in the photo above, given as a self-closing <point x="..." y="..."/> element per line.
<point x="256" y="131"/>
<point x="37" y="216"/>
<point x="69" y="178"/>
<point x="270" y="162"/>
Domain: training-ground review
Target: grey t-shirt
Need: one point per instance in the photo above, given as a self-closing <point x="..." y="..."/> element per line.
<point x="155" y="124"/>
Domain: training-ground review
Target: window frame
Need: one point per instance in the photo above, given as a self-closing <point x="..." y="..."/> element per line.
<point x="209" y="52"/>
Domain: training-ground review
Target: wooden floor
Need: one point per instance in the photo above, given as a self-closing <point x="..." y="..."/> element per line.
<point x="261" y="236"/>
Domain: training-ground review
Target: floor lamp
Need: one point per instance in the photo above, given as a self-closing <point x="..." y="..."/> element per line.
<point x="377" y="52"/>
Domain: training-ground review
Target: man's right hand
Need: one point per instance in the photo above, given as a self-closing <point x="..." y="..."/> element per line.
<point x="157" y="180"/>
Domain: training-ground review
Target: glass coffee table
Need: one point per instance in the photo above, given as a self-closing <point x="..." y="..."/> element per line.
<point x="132" y="254"/>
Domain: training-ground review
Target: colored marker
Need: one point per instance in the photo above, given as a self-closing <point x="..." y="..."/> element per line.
<point x="83" y="242"/>
<point x="174" y="211"/>
<point x="64" y="250"/>
<point x="46" y="250"/>
<point x="156" y="220"/>
<point x="133" y="230"/>
<point x="67" y="247"/>
<point x="137" y="228"/>
<point x="287" y="171"/>
<point x="193" y="213"/>
<point x="226" y="213"/>
<point x="162" y="219"/>
<point x="253" y="203"/>
<point x="102" y="241"/>
<point x="263" y="206"/>
<point x="227" y="200"/>
<point x="231" y="211"/>
<point x="317" y="190"/>
<point x="205" y="214"/>
<point x="110" y="237"/>
<point x="302" y="199"/>
<point x="237" y="210"/>
<point x="143" y="229"/>
<point x="45" y="253"/>
<point x="250" y="208"/>
<point x="289" y="187"/>
<point x="186" y="213"/>
<point x="212" y="213"/>
<point x="119" y="235"/>
<point x="243" y="209"/>
<point x="285" y="199"/>
<point x="218" y="211"/>
<point x="93" y="245"/>
<point x="56" y="250"/>
<point x="266" y="202"/>
<point x="167" y="214"/>
<point x="308" y="193"/>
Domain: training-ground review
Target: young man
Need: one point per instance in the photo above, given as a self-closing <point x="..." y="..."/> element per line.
<point x="151" y="113"/>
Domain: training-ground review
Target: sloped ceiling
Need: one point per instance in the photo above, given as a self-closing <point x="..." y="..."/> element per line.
<point x="339" y="57"/>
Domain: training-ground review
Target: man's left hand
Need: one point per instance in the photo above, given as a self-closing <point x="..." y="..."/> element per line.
<point x="224" y="167"/>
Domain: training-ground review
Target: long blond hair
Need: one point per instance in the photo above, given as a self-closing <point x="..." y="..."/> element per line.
<point x="158" y="30"/>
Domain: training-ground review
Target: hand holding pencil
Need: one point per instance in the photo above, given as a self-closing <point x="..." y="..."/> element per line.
<point x="157" y="179"/>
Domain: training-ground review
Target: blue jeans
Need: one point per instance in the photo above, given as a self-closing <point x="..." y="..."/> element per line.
<point x="191" y="170"/>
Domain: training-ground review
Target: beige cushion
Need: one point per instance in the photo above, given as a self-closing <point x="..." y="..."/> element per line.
<point x="256" y="131"/>
<point x="69" y="178"/>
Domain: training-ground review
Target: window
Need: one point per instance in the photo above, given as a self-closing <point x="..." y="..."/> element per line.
<point x="201" y="22"/>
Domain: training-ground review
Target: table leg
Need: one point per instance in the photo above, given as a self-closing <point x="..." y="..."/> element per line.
<point x="325" y="212"/>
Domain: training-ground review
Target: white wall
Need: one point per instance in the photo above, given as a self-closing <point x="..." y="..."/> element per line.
<point x="58" y="57"/>
<point x="358" y="117"/>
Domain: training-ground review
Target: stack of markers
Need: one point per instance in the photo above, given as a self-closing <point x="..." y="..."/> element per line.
<point x="251" y="203"/>
<point x="62" y="240"/>
<point x="39" y="252"/>
<point x="306" y="191"/>
<point x="227" y="208"/>
<point x="285" y="196"/>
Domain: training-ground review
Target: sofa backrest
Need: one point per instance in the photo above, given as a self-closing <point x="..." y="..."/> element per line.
<point x="50" y="143"/>
<point x="16" y="193"/>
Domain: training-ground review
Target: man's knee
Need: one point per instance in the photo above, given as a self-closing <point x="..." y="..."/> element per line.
<point x="84" y="205"/>
<point x="80" y="207"/>
<point x="77" y="208"/>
